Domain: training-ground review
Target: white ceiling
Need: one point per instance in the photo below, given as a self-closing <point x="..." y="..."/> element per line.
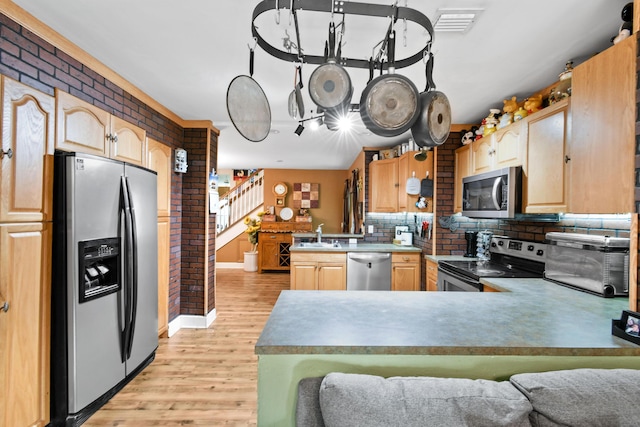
<point x="184" y="55"/>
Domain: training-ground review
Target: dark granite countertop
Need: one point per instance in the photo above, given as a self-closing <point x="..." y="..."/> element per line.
<point x="530" y="317"/>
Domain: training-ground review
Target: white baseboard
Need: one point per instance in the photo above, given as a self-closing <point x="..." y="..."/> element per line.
<point x="229" y="265"/>
<point x="188" y="321"/>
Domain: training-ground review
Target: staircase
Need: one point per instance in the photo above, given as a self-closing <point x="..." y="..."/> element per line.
<point x="247" y="199"/>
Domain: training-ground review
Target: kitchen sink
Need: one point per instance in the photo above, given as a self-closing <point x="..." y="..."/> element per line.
<point x="319" y="245"/>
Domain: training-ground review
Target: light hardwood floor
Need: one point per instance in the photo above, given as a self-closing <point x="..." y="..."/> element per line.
<point x="204" y="377"/>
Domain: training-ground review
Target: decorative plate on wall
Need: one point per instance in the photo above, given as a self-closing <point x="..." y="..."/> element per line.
<point x="286" y="214"/>
<point x="306" y="195"/>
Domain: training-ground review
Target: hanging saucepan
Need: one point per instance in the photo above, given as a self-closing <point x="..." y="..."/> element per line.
<point x="248" y="106"/>
<point x="389" y="105"/>
<point x="434" y="122"/>
<point x="330" y="85"/>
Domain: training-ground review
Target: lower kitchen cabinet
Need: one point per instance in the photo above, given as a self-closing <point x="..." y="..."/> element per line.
<point x="405" y="271"/>
<point x="432" y="275"/>
<point x="25" y="294"/>
<point x="319" y="271"/>
<point x="164" y="263"/>
<point x="273" y="251"/>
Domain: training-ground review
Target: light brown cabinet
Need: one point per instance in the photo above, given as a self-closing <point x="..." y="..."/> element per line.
<point x="432" y="275"/>
<point x="505" y="147"/>
<point x="462" y="168"/>
<point x="546" y="173"/>
<point x="25" y="285"/>
<point x="25" y="254"/>
<point x="602" y="146"/>
<point x="85" y="128"/>
<point x="388" y="183"/>
<point x="405" y="271"/>
<point x="164" y="278"/>
<point x="26" y="165"/>
<point x="319" y="271"/>
<point x="273" y="251"/>
<point x="159" y="160"/>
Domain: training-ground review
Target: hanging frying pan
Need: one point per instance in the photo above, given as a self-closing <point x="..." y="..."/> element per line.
<point x="389" y="105"/>
<point x="434" y="122"/>
<point x="248" y="106"/>
<point x="330" y="85"/>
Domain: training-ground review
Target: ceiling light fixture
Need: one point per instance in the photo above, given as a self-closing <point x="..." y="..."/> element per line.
<point x="456" y="20"/>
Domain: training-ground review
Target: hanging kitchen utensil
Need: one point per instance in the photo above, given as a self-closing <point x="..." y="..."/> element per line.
<point x="298" y="91"/>
<point x="389" y="104"/>
<point x="330" y="85"/>
<point x="421" y="155"/>
<point x="248" y="106"/>
<point x="426" y="187"/>
<point x="413" y="185"/>
<point x="293" y="103"/>
<point x="434" y="121"/>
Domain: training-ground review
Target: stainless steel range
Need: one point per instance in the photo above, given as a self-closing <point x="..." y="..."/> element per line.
<point x="510" y="258"/>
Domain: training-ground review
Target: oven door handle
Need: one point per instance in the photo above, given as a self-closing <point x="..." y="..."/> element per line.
<point x="457" y="277"/>
<point x="494" y="193"/>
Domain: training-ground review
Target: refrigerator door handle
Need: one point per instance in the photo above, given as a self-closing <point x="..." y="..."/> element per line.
<point x="132" y="260"/>
<point x="128" y="268"/>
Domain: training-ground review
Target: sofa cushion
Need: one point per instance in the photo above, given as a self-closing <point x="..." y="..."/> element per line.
<point x="308" y="404"/>
<point x="366" y="400"/>
<point x="582" y="397"/>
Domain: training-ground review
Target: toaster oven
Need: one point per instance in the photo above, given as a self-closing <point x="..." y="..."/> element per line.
<point x="596" y="264"/>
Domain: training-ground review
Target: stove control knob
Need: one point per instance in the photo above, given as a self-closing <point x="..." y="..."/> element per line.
<point x="530" y="248"/>
<point x="540" y="252"/>
<point x="493" y="244"/>
<point x="500" y="243"/>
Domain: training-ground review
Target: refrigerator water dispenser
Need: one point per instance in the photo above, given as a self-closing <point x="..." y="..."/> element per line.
<point x="99" y="268"/>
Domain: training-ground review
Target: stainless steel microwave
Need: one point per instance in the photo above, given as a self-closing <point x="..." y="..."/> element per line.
<point x="495" y="194"/>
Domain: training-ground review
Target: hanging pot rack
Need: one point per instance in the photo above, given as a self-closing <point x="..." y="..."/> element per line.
<point x="393" y="12"/>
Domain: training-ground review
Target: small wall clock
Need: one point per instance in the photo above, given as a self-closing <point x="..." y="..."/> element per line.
<point x="280" y="189"/>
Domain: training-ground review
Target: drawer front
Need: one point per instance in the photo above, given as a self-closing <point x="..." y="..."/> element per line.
<point x="340" y="257"/>
<point x="408" y="257"/>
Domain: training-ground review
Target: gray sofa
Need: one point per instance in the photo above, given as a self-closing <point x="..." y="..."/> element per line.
<point x="579" y="397"/>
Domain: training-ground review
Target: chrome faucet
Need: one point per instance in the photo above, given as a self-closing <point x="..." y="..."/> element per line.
<point x="319" y="231"/>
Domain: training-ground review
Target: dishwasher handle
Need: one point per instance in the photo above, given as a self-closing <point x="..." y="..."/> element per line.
<point x="369" y="257"/>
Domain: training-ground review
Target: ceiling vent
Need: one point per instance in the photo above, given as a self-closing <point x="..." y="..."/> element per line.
<point x="455" y="20"/>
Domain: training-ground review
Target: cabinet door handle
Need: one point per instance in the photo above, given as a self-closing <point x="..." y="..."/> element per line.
<point x="566" y="159"/>
<point x="5" y="306"/>
<point x="8" y="153"/>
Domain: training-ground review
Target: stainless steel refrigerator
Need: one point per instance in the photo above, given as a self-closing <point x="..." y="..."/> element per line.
<point x="104" y="288"/>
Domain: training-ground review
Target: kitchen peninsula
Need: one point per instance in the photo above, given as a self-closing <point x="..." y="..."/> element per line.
<point x="531" y="325"/>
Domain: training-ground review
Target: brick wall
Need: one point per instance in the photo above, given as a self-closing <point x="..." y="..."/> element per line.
<point x="194" y="215"/>
<point x="211" y="266"/>
<point x="33" y="61"/>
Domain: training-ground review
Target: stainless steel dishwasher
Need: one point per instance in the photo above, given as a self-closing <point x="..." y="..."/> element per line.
<point x="368" y="271"/>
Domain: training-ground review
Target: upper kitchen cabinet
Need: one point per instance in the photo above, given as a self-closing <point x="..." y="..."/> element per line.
<point x="462" y="169"/>
<point x="26" y="161"/>
<point x="602" y="146"/>
<point x="388" y="183"/>
<point x="81" y="126"/>
<point x="505" y="147"/>
<point x="127" y="142"/>
<point x="85" y="128"/>
<point x="159" y="160"/>
<point x="546" y="172"/>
